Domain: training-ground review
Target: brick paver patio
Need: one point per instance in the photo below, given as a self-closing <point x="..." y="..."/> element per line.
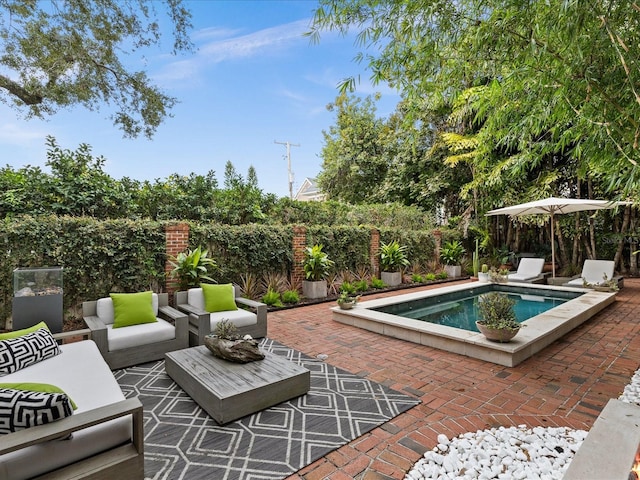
<point x="567" y="384"/>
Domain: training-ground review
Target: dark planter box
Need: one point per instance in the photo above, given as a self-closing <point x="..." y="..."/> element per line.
<point x="37" y="298"/>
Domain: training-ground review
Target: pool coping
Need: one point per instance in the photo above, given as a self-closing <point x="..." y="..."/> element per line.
<point x="540" y="331"/>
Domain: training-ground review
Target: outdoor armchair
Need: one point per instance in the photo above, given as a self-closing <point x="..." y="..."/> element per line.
<point x="203" y="321"/>
<point x="136" y="342"/>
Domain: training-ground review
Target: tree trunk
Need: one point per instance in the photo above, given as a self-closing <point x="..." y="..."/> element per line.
<point x="633" y="245"/>
<point x="617" y="258"/>
<point x="592" y="226"/>
<point x="561" y="247"/>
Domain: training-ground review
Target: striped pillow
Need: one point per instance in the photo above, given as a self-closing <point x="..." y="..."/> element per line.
<point x="20" y="409"/>
<point x="18" y="353"/>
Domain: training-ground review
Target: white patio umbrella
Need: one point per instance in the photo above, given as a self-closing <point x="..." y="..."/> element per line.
<point x="552" y="206"/>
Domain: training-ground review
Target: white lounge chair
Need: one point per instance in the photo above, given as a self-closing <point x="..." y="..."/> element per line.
<point x="594" y="272"/>
<point x="529" y="271"/>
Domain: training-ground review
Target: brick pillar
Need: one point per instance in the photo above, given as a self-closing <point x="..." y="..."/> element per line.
<point x="176" y="241"/>
<point x="437" y="235"/>
<point x="374" y="252"/>
<point x="299" y="244"/>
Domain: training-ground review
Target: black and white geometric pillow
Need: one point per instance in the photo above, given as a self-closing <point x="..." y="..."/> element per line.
<point x="20" y="409"/>
<point x="17" y="353"/>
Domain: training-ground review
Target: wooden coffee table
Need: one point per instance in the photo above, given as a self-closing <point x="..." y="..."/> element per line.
<point x="228" y="391"/>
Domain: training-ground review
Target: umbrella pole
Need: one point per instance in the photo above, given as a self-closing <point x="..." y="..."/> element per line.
<point x="553" y="249"/>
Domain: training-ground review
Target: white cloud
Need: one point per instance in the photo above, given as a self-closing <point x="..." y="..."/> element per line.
<point x="228" y="45"/>
<point x="20" y="134"/>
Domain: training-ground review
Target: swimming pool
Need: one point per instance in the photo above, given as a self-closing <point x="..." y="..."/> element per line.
<point x="541" y="330"/>
<point x="460" y="309"/>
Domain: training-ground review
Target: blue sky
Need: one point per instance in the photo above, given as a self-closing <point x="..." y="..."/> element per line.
<point x="253" y="79"/>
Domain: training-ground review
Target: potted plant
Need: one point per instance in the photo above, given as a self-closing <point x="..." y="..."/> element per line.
<point x="451" y="253"/>
<point x="496" y="317"/>
<point x="483" y="274"/>
<point x="226" y="343"/>
<point x="316" y="268"/>
<point x="499" y="275"/>
<point x="393" y="258"/>
<point x="347" y="301"/>
<point x="192" y="267"/>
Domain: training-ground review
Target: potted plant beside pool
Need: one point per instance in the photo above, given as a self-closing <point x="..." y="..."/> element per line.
<point x="451" y="253"/>
<point x="483" y="274"/>
<point x="393" y="258"/>
<point x="316" y="268"/>
<point x="496" y="317"/>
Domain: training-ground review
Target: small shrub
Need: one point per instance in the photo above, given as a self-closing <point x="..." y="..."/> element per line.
<point x="441" y="276"/>
<point x="377" y="283"/>
<point x="430" y="277"/>
<point x="290" y="296"/>
<point x="348" y="288"/>
<point x="272" y="298"/>
<point x="417" y="278"/>
<point x="361" y="286"/>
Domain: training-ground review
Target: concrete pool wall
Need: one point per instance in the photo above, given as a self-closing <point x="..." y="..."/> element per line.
<point x="540" y="331"/>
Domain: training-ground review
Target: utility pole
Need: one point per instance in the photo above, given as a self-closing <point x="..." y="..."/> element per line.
<point x="289" y="145"/>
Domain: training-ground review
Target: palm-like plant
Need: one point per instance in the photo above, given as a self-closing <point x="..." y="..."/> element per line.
<point x="393" y="256"/>
<point x="192" y="267"/>
<point x="316" y="263"/>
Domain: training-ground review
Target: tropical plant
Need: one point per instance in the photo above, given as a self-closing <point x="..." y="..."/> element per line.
<point x="272" y="298"/>
<point x="317" y="264"/>
<point x="361" y="285"/>
<point x="430" y="277"/>
<point x="192" y="267"/>
<point x="249" y="285"/>
<point x="495" y="310"/>
<point x="290" y="296"/>
<point x="347" y="298"/>
<point x="348" y="288"/>
<point x="377" y="283"/>
<point x="393" y="256"/>
<point x="452" y="252"/>
<point x="417" y="278"/>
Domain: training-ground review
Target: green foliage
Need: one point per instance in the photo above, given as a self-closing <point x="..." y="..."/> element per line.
<point x="495" y="310"/>
<point x="361" y="286"/>
<point x="226" y="330"/>
<point x="441" y="276"/>
<point x="348" y="288"/>
<point x="192" y="268"/>
<point x="417" y="278"/>
<point x="56" y="56"/>
<point x="430" y="277"/>
<point x="272" y="298"/>
<point x="317" y="264"/>
<point x="290" y="296"/>
<point x="452" y="252"/>
<point x="377" y="283"/>
<point x="393" y="256"/>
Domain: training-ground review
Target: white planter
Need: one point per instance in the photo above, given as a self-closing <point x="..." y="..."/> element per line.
<point x="453" y="271"/>
<point x="483" y="277"/>
<point x="314" y="289"/>
<point x="391" y="278"/>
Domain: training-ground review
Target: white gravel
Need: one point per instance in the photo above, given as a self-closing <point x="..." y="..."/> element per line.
<point x="508" y="453"/>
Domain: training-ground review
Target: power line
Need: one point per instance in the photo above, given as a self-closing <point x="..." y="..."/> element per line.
<point x="289" y="145"/>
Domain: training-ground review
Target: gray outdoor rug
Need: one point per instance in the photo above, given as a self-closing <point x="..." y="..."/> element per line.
<point x="183" y="442"/>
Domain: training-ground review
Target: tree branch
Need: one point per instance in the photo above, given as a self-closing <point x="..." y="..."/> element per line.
<point x="19" y="91"/>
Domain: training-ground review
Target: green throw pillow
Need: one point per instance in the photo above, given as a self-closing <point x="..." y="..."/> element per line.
<point x="219" y="298"/>
<point x="132" y="309"/>
<point x="38" y="387"/>
<point x="24" y="331"/>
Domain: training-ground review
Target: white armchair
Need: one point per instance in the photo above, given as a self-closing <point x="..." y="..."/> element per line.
<point x="201" y="322"/>
<point x="140" y="343"/>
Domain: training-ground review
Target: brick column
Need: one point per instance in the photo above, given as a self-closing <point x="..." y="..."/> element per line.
<point x="299" y="244"/>
<point x="374" y="252"/>
<point x="437" y="235"/>
<point x="176" y="241"/>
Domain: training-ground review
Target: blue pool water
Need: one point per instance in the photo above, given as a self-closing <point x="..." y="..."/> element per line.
<point x="459" y="309"/>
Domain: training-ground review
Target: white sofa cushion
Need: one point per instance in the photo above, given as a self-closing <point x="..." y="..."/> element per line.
<point x="142" y="334"/>
<point x="83" y="374"/>
<point x="528" y="269"/>
<point x="240" y="317"/>
<point x="105" y="312"/>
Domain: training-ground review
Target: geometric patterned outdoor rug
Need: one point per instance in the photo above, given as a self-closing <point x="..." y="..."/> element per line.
<point x="183" y="442"/>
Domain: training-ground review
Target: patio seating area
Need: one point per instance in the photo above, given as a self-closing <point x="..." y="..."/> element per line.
<point x="566" y="384"/>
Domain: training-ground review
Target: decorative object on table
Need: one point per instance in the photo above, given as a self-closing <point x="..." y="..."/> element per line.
<point x="37" y="296"/>
<point x="347" y="301"/>
<point x="393" y="258"/>
<point x="496" y="317"/>
<point x="451" y="254"/>
<point x="317" y="266"/>
<point x="226" y="344"/>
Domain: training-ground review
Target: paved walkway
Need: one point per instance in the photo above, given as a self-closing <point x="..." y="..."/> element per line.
<point x="567" y="384"/>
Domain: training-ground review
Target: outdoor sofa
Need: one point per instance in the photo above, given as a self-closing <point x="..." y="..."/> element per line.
<point x="224" y="304"/>
<point x="101" y="439"/>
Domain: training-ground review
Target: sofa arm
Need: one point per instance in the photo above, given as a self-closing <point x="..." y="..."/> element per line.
<point x="180" y="321"/>
<point x="50" y="431"/>
<point x="261" y="312"/>
<point x="98" y="333"/>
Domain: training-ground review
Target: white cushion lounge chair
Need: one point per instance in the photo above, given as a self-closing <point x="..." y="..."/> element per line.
<point x="594" y="272"/>
<point x="529" y="271"/>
